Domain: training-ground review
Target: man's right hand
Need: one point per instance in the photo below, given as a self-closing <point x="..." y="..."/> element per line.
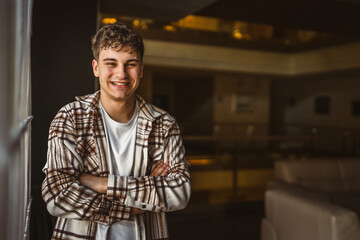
<point x="161" y="169"/>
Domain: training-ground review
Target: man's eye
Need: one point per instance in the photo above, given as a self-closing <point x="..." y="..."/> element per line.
<point x="131" y="65"/>
<point x="110" y="64"/>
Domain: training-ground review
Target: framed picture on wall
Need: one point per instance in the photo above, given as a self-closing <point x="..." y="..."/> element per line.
<point x="242" y="102"/>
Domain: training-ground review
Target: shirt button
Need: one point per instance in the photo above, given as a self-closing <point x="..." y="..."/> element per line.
<point x="143" y="206"/>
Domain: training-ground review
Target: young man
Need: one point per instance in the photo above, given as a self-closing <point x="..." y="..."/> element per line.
<point x="115" y="163"/>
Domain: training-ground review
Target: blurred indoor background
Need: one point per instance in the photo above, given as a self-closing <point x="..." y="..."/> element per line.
<point x="249" y="82"/>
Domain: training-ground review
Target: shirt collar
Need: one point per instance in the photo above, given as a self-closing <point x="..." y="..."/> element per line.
<point x="148" y="111"/>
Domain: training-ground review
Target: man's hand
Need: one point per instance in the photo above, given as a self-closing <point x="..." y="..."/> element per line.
<point x="99" y="184"/>
<point x="95" y="183"/>
<point x="160" y="170"/>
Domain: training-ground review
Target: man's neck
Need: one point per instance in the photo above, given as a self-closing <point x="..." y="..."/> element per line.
<point x="120" y="111"/>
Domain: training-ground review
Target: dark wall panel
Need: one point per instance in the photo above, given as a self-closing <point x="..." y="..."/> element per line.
<point x="61" y="65"/>
<point x="61" y="69"/>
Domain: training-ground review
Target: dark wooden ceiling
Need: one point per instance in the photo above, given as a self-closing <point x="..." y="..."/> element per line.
<point x="340" y="17"/>
<point x="162" y="10"/>
<point x="330" y="16"/>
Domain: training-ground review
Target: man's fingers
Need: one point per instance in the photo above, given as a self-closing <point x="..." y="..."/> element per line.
<point x="160" y="170"/>
<point x="165" y="171"/>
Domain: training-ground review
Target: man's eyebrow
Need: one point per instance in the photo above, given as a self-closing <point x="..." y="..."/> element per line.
<point x="133" y="60"/>
<point x="113" y="59"/>
<point x="109" y="59"/>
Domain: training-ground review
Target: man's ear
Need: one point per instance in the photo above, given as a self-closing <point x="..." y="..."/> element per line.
<point x="95" y="68"/>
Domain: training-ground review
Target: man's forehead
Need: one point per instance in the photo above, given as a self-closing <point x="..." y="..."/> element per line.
<point x="126" y="49"/>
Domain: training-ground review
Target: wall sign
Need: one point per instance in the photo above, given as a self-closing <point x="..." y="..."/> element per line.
<point x="242" y="102"/>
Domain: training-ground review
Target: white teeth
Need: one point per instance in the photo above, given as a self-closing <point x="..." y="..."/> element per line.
<point x="120" y="83"/>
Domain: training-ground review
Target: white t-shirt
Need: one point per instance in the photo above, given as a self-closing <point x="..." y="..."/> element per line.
<point x="120" y="139"/>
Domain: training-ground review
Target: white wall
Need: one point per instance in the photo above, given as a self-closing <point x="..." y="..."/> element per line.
<point x="184" y="55"/>
<point x="243" y="122"/>
<point x="231" y="66"/>
<point x="337" y="130"/>
<point x="341" y="90"/>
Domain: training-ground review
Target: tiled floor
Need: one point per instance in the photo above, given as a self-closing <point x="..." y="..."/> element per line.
<point x="222" y="221"/>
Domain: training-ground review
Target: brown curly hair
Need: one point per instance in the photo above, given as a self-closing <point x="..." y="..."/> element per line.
<point x="114" y="36"/>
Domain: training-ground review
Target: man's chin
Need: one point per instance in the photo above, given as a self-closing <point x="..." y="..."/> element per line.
<point x="122" y="98"/>
<point x="105" y="96"/>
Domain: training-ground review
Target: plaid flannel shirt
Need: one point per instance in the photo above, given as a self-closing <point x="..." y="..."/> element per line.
<point x="77" y="144"/>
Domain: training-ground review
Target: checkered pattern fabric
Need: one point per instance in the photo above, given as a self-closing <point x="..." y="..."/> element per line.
<point x="77" y="145"/>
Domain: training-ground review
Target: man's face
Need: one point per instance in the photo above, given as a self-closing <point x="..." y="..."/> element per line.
<point x="119" y="73"/>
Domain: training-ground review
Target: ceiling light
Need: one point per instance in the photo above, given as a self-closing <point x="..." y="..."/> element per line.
<point x="169" y="28"/>
<point x="144" y="26"/>
<point x="136" y="23"/>
<point x="109" y="20"/>
<point x="201" y="162"/>
<point x="237" y="34"/>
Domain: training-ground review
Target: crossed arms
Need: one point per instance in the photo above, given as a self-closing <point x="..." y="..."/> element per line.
<point x="100" y="184"/>
<point x="70" y="192"/>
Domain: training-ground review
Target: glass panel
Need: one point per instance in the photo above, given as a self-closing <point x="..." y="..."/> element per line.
<point x="15" y="22"/>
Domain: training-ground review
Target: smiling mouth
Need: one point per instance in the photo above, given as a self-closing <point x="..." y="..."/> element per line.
<point x="120" y="83"/>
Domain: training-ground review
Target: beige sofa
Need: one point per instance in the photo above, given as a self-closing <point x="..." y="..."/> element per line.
<point x="313" y="199"/>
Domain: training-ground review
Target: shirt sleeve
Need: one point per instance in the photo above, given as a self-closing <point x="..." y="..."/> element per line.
<point x="61" y="190"/>
<point x="157" y="194"/>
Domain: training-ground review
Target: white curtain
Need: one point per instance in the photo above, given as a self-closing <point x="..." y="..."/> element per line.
<point x="15" y="111"/>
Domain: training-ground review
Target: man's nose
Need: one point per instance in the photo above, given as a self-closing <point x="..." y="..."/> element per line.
<point x="121" y="72"/>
